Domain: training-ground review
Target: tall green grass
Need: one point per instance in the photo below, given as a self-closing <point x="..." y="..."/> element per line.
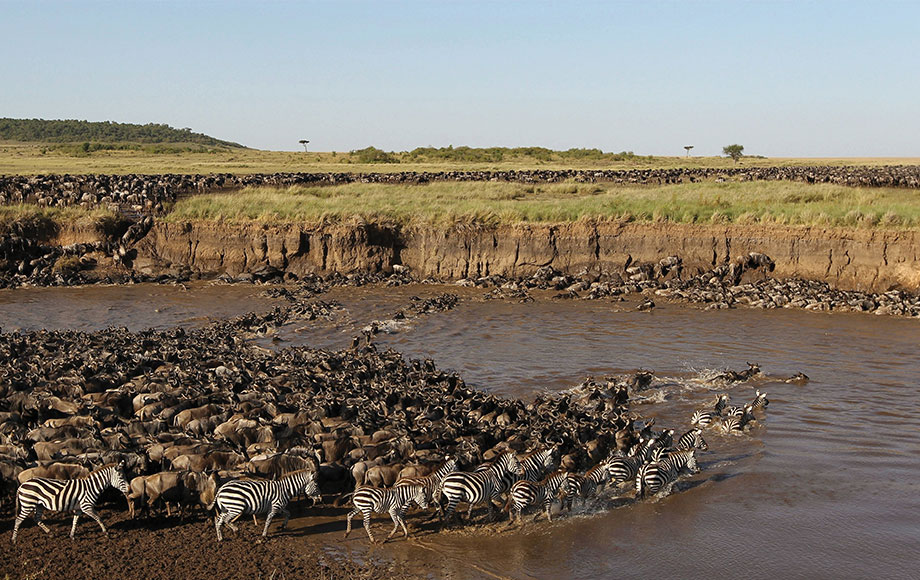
<point x="504" y="203"/>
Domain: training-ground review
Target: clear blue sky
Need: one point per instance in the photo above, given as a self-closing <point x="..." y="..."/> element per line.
<point x="781" y="78"/>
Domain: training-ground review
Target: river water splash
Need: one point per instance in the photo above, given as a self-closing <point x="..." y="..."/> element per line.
<point x="827" y="485"/>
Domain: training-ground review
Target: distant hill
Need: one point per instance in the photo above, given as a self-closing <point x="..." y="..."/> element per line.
<point x="72" y="131"/>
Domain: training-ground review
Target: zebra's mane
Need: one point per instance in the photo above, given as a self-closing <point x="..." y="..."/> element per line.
<point x="532" y="454"/>
<point x="599" y="467"/>
<point x="299" y="471"/>
<point x="552" y="475"/>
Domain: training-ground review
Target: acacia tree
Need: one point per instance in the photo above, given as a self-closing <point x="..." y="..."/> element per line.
<point x="688" y="148"/>
<point x="304" y="143"/>
<point x="733" y="151"/>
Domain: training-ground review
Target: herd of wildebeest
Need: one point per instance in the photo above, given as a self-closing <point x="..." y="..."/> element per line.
<point x="153" y="193"/>
<point x="183" y="411"/>
<point x="181" y="414"/>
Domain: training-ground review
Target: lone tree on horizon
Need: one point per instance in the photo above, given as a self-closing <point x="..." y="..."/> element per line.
<point x="734" y="151"/>
<point x="304" y="143"/>
<point x="688" y="148"/>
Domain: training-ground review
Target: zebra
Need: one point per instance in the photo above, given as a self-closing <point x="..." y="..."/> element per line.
<point x="532" y="468"/>
<point x="249" y="496"/>
<point x="621" y="469"/>
<point x="479" y="486"/>
<point x="760" y="401"/>
<point x="665" y="438"/>
<point x="692" y="439"/>
<point x="536" y="464"/>
<point x="585" y="486"/>
<point x="77" y="495"/>
<point x="745" y="411"/>
<point x="706" y="417"/>
<point x="737" y="421"/>
<point x="431" y="482"/>
<point x="395" y="500"/>
<point x="525" y="493"/>
<point x="657" y="475"/>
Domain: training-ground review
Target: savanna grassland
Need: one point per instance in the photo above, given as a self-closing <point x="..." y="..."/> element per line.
<point x="45" y="158"/>
<point x="489" y="203"/>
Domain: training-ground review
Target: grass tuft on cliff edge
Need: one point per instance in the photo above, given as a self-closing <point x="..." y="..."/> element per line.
<point x="491" y="204"/>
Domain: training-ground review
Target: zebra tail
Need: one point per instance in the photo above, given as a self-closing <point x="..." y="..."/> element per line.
<point x="507" y="507"/>
<point x="343" y="499"/>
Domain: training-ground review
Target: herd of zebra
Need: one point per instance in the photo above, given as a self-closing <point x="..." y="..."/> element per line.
<point x="654" y="463"/>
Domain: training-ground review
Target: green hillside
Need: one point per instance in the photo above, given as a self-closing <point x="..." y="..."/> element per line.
<point x="73" y="131"/>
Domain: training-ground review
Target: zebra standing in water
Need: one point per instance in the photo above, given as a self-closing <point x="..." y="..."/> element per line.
<point x="737" y="419"/>
<point x="585" y="486"/>
<point x="77" y="495"/>
<point x="532" y="468"/>
<point x="479" y="486"/>
<point x="248" y="496"/>
<point x="526" y="493"/>
<point x="624" y="468"/>
<point x="662" y="473"/>
<point x="706" y="417"/>
<point x="536" y="464"/>
<point x="692" y="439"/>
<point x="760" y="401"/>
<point x="395" y="500"/>
<point x="432" y="482"/>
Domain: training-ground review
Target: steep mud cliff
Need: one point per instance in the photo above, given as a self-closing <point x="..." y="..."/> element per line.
<point x="875" y="260"/>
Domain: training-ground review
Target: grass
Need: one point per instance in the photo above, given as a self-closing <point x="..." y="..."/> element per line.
<point x="489" y="203"/>
<point x="31" y="159"/>
<point x="46" y="220"/>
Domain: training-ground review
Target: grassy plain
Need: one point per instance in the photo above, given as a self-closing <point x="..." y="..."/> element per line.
<point x="490" y="203"/>
<point x="32" y="159"/>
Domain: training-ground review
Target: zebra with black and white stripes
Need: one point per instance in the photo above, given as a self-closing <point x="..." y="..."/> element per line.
<point x="624" y="468"/>
<point x="431" y="482"/>
<point x="480" y="486"/>
<point x="737" y="419"/>
<point x="585" y="486"/>
<point x="692" y="439"/>
<point x="706" y="417"/>
<point x="760" y="401"/>
<point x="661" y="474"/>
<point x="526" y="493"/>
<point x="395" y="500"/>
<point x="77" y="495"/>
<point x="533" y="466"/>
<point x="249" y="496"/>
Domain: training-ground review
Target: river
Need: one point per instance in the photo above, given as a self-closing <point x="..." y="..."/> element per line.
<point x="826" y="485"/>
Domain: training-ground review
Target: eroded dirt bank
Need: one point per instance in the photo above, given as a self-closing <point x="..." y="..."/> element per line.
<point x="867" y="260"/>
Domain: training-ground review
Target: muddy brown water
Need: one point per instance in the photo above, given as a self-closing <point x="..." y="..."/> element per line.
<point x="826" y="486"/>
